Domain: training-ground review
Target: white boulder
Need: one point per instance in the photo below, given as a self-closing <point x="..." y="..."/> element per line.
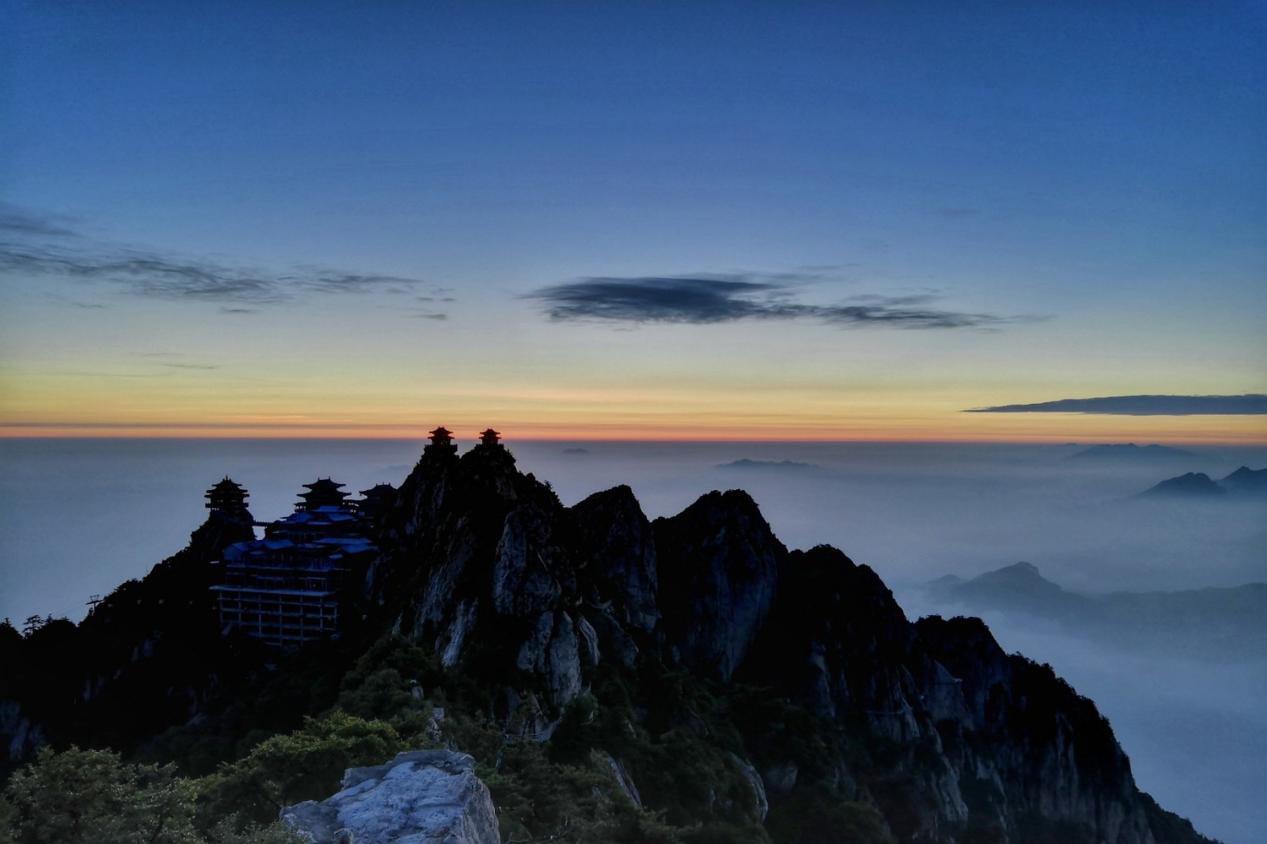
<point x="421" y="797"/>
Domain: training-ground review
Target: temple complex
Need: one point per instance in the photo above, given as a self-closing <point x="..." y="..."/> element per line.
<point x="294" y="585"/>
<point x="288" y="588"/>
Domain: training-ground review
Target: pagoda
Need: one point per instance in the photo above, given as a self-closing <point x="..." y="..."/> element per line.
<point x="376" y="501"/>
<point x="322" y="492"/>
<point x="227" y="497"/>
<point x="489" y="437"/>
<point x="441" y="442"/>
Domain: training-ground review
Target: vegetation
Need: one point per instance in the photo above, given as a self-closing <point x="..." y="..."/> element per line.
<point x="677" y="737"/>
<point x="93" y="797"/>
<point x="303" y="765"/>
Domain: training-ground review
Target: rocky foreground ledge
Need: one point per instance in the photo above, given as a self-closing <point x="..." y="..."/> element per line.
<point x="421" y="797"/>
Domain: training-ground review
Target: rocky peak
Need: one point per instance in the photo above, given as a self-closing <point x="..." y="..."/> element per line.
<point x="836" y="638"/>
<point x="616" y="556"/>
<point x="718" y="570"/>
<point x="1046" y="747"/>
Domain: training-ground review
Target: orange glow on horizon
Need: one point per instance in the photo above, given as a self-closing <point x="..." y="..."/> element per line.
<point x="1012" y="428"/>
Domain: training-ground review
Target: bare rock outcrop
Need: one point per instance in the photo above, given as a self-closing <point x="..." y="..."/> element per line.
<point x="422" y="797"/>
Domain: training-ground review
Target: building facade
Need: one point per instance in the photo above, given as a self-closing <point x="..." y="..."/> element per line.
<point x="291" y="587"/>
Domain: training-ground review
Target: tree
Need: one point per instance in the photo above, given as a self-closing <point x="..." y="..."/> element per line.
<point x="93" y="797"/>
<point x="304" y="765"/>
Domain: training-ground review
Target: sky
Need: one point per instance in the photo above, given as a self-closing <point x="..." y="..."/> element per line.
<point x="634" y="220"/>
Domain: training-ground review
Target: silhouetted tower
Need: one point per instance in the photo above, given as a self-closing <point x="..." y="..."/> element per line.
<point x="441" y="442"/>
<point x="227" y="497"/>
<point x="322" y="492"/>
<point x="489" y="437"/>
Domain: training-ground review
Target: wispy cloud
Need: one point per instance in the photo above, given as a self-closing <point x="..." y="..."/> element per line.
<point x="330" y="281"/>
<point x="1250" y="404"/>
<point x="198" y="366"/>
<point x="708" y="299"/>
<point x="22" y="222"/>
<point x="32" y="245"/>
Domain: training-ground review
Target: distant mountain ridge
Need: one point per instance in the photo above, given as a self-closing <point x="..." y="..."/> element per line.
<point x="788" y="465"/>
<point x="1222" y="624"/>
<point x="1244" y="482"/>
<point x="1131" y="451"/>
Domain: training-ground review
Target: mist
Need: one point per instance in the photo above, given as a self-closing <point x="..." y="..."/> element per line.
<point x="80" y="516"/>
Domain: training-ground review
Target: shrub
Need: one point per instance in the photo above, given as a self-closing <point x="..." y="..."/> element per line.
<point x="93" y="797"/>
<point x="286" y="769"/>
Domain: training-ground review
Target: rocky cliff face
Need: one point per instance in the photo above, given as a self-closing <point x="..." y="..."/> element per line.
<point x="930" y="725"/>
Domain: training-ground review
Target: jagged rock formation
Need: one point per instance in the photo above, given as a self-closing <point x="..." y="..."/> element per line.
<point x="717" y="676"/>
<point x="423" y="797"/>
<point x="536" y="600"/>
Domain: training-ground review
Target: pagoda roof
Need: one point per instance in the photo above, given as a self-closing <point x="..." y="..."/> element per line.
<point x="379" y="489"/>
<point x="441" y="432"/>
<point x="226" y="485"/>
<point x="489" y="432"/>
<point x="324" y="484"/>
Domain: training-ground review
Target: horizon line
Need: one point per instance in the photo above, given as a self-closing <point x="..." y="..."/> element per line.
<point x="421" y="437"/>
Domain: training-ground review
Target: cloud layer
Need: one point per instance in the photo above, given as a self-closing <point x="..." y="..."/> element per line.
<point x="1252" y="404"/>
<point x="33" y="245"/>
<point x="711" y="299"/>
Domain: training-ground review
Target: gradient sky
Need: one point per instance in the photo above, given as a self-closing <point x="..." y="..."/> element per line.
<point x="359" y="219"/>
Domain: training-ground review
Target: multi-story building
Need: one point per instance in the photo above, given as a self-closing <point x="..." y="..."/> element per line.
<point x="290" y="587"/>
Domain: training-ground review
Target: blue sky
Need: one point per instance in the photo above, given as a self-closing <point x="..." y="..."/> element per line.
<point x="1093" y="174"/>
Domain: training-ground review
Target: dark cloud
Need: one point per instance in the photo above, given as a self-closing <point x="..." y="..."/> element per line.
<point x="36" y="246"/>
<point x="1252" y="404"/>
<point x="329" y="281"/>
<point x="191" y="365"/>
<point x="712" y="299"/>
